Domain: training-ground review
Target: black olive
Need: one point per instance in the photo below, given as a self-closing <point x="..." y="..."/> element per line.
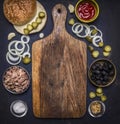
<point x="105" y="78"/>
<point x="104" y="83"/>
<point x="93" y="67"/>
<point x="100" y="67"/>
<point x="97" y="64"/>
<point x="101" y="78"/>
<point x="98" y="77"/>
<point x="110" y="66"/>
<point x="93" y="77"/>
<point x="97" y="72"/>
<point x="98" y="82"/>
<point x="103" y="72"/>
<point x="111" y="73"/>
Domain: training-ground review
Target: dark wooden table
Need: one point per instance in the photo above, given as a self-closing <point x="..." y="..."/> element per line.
<point x="108" y="23"/>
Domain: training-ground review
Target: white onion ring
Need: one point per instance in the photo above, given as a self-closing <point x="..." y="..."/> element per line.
<point x="87" y="31"/>
<point x="13" y="52"/>
<point x="13" y="58"/>
<point x="27" y="48"/>
<point x="12" y="62"/>
<point x="92" y="26"/>
<point x="20" y="50"/>
<point x="26" y="54"/>
<point x="97" y="39"/>
<point x="76" y="29"/>
<point x="27" y="39"/>
<point x="10" y="45"/>
<point x="100" y="32"/>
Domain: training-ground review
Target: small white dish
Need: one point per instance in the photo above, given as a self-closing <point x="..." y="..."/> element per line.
<point x="18" y="108"/>
<point x="96" y="112"/>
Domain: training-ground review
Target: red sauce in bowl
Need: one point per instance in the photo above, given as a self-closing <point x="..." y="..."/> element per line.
<point x="86" y="10"/>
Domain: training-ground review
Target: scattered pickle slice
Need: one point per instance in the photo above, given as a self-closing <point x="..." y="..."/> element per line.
<point x="88" y="38"/>
<point x="101" y="44"/>
<point x="106" y="54"/>
<point x="90" y="48"/>
<point x="94" y="31"/>
<point x="71" y="21"/>
<point x="99" y="90"/>
<point x="107" y="48"/>
<point x="103" y="98"/>
<point x="26" y="60"/>
<point x="95" y="54"/>
<point x="92" y="95"/>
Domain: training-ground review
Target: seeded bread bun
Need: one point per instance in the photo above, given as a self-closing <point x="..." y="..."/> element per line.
<point x="19" y="12"/>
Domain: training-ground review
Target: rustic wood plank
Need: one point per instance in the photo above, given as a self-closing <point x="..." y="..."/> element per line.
<point x="59" y="72"/>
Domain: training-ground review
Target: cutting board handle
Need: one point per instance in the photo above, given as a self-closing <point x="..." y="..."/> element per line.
<point x="59" y="14"/>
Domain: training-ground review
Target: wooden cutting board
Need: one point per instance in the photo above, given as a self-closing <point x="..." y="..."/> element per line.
<point x="59" y="72"/>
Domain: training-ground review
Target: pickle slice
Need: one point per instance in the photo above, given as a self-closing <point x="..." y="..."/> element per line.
<point x="95" y="54"/>
<point x="38" y="20"/>
<point x="26" y="31"/>
<point x="92" y="95"/>
<point x="107" y="48"/>
<point x="35" y="25"/>
<point x="29" y="27"/>
<point x="41" y="14"/>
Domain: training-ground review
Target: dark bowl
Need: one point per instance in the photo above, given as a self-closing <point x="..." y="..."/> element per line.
<point x="102" y="72"/>
<point x="10" y="90"/>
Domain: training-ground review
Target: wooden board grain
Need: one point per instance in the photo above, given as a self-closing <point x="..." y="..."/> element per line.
<point x="59" y="72"/>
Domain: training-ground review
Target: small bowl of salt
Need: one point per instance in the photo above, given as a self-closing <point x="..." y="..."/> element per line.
<point x="18" y="108"/>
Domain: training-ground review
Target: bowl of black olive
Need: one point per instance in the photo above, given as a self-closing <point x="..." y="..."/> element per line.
<point x="102" y="72"/>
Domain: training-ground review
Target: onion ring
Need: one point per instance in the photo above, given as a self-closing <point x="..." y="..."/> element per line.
<point x="10" y="45"/>
<point x="97" y="39"/>
<point x="76" y="29"/>
<point x="92" y="26"/>
<point x="87" y="31"/>
<point x="10" y="61"/>
<point x="20" y="50"/>
<point x="27" y="39"/>
<point x="27" y="48"/>
<point x="26" y="54"/>
<point x="13" y="58"/>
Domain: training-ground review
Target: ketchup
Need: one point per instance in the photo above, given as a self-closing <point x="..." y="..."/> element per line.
<point x="86" y="10"/>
